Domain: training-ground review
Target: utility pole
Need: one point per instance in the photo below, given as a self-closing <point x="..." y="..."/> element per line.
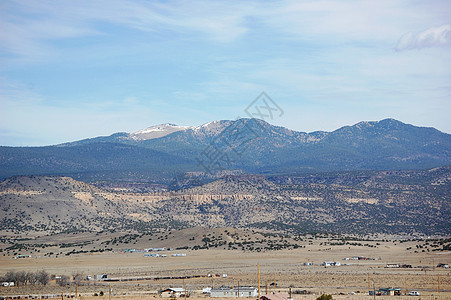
<point x="109" y="291"/>
<point x="184" y="287"/>
<point x="274" y="290"/>
<point x="438" y="283"/>
<point x="374" y="291"/>
<point x="76" y="290"/>
<point x="405" y="285"/>
<point x="238" y="294"/>
<point x="258" y="271"/>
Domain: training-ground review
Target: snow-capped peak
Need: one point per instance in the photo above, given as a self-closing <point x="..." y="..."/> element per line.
<point x="212" y="127"/>
<point x="157" y="131"/>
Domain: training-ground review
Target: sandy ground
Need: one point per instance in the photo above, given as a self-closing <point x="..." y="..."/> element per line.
<point x="308" y="297"/>
<point x="287" y="266"/>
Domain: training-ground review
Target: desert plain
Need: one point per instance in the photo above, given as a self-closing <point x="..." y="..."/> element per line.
<point x="132" y="275"/>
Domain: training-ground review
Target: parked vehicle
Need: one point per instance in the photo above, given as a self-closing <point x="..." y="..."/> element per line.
<point x="414" y="293"/>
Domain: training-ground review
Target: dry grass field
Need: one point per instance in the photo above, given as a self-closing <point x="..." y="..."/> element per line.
<point x="286" y="266"/>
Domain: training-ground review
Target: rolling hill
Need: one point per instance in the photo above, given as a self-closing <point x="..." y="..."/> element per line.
<point x="408" y="203"/>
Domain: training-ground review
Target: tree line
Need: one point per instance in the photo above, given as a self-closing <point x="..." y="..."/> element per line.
<point x="40" y="277"/>
<point x="24" y="278"/>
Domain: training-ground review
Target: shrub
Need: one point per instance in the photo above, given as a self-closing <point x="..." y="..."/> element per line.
<point x="324" y="297"/>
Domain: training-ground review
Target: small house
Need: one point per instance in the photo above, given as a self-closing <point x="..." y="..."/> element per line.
<point x="155" y="249"/>
<point x="243" y="291"/>
<point x="152" y="255"/>
<point x="389" y="292"/>
<point x="172" y="292"/>
<point x="100" y="277"/>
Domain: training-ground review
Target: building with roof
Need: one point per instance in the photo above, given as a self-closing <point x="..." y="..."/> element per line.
<point x="172" y="292"/>
<point x="387" y="292"/>
<point x="242" y="291"/>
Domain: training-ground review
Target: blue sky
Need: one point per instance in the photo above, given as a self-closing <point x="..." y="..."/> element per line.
<point x="76" y="69"/>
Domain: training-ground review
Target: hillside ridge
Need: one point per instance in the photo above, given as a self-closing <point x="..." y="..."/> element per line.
<point x="392" y="202"/>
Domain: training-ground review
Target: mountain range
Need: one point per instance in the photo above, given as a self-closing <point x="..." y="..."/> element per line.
<point x="373" y="177"/>
<point x="158" y="153"/>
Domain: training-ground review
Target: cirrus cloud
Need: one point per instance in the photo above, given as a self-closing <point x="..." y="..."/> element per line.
<point x="432" y="37"/>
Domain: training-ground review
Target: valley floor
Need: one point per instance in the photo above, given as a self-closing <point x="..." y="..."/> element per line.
<point x="286" y="266"/>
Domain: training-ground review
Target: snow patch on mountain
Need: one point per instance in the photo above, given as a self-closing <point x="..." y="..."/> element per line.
<point x="157" y="131"/>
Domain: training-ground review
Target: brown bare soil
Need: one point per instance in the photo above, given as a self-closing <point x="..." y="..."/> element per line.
<point x="286" y="266"/>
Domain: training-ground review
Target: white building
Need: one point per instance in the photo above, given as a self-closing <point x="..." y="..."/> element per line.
<point x="100" y="276"/>
<point x="6" y="284"/>
<point x="243" y="291"/>
<point x="155" y="249"/>
<point x="172" y="292"/>
<point x="152" y="255"/>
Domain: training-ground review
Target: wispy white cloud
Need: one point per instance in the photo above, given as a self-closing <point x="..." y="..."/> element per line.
<point x="185" y="61"/>
<point x="432" y="37"/>
<point x="29" y="27"/>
